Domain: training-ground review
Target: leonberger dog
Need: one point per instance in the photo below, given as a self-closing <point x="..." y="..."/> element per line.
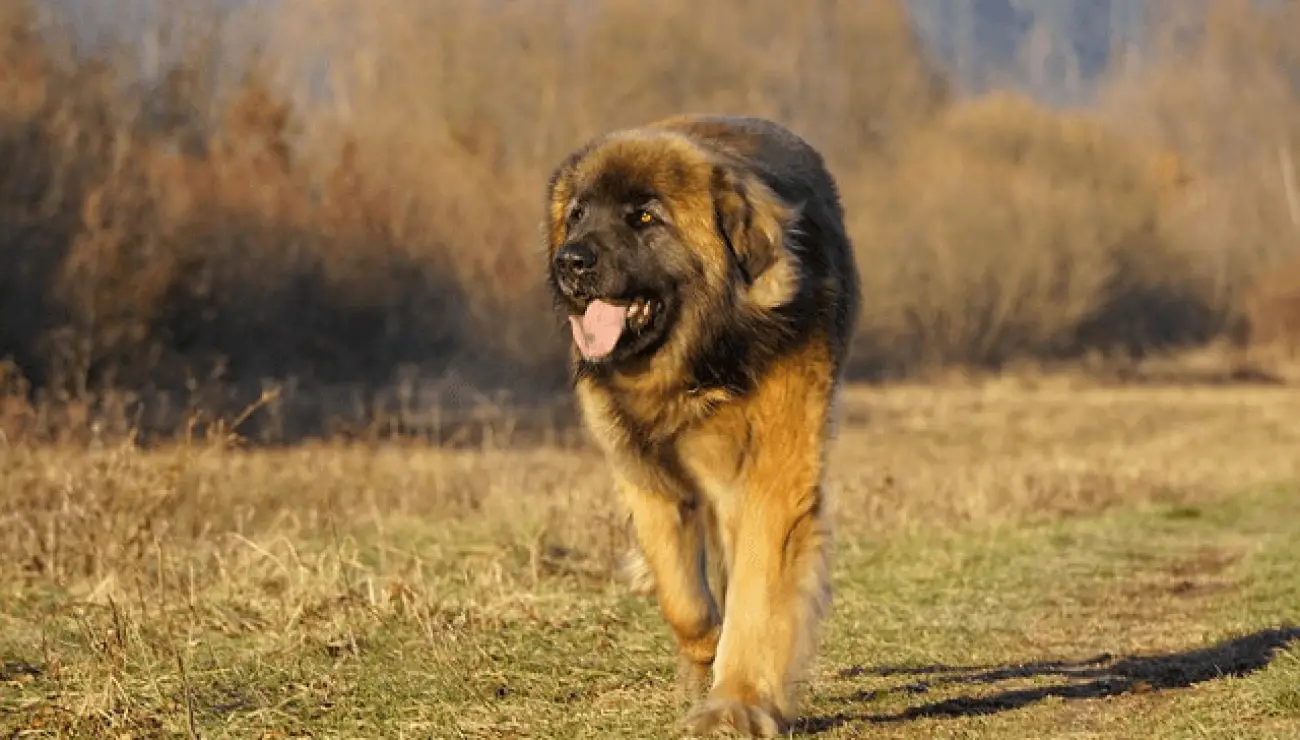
<point x="703" y="265"/>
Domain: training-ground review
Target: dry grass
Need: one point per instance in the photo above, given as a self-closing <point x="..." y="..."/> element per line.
<point x="349" y="590"/>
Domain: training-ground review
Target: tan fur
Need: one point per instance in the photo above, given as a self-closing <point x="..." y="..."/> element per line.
<point x="729" y="472"/>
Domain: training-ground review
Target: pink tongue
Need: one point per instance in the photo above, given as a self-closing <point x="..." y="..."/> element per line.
<point x="597" y="331"/>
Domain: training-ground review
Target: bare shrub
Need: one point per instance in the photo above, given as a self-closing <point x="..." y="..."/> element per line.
<point x="1219" y="88"/>
<point x="246" y="213"/>
<point x="1006" y="231"/>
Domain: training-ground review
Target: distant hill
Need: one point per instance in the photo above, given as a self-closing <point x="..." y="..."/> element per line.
<point x="1052" y="49"/>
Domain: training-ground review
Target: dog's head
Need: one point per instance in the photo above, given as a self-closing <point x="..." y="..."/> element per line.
<point x="655" y="242"/>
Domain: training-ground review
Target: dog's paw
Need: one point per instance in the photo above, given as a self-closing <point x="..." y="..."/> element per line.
<point x="734" y="717"/>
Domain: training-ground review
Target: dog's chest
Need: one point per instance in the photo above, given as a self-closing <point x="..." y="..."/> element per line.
<point x="714" y="455"/>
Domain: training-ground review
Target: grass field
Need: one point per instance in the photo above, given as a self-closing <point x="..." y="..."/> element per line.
<point x="1013" y="561"/>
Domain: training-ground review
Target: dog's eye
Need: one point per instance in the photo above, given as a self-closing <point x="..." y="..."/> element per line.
<point x="641" y="217"/>
<point x="576" y="213"/>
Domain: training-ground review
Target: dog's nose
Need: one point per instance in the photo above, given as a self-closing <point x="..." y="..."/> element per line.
<point x="575" y="259"/>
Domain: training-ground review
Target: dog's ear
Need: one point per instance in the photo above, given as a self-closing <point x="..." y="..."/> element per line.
<point x="754" y="223"/>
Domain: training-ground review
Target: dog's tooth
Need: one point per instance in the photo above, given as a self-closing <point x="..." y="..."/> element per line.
<point x="638" y="313"/>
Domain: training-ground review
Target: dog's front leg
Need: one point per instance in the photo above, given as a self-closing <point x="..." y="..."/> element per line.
<point x="778" y="542"/>
<point x="671" y="537"/>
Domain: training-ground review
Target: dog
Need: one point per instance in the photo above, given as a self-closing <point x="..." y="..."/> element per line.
<point x="704" y="269"/>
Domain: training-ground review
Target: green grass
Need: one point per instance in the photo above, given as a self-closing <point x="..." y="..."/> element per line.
<point x="1159" y="615"/>
<point x="1114" y="626"/>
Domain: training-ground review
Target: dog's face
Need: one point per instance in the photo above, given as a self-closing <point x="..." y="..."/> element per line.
<point x="648" y="236"/>
<point x="622" y="269"/>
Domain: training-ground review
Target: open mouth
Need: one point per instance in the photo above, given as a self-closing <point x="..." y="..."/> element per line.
<point x="600" y="327"/>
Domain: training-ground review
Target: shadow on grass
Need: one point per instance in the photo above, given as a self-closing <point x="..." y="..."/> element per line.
<point x="1092" y="678"/>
